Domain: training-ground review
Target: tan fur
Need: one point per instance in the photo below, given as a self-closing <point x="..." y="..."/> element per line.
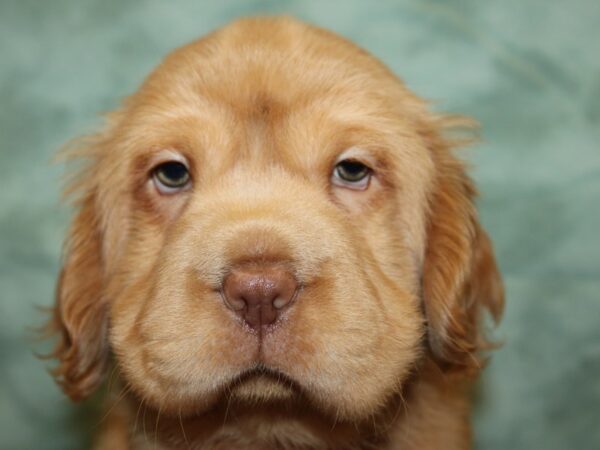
<point x="382" y="341"/>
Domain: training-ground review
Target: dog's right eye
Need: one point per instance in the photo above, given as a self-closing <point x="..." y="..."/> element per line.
<point x="171" y="177"/>
<point x="351" y="174"/>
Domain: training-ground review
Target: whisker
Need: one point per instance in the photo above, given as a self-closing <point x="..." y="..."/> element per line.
<point x="187" y="443"/>
<point x="335" y="418"/>
<point x="144" y="424"/>
<point x="121" y="396"/>
<point x="137" y="416"/>
<point x="402" y="405"/>
<point x="227" y="407"/>
<point x="156" y="428"/>
<point x="111" y="378"/>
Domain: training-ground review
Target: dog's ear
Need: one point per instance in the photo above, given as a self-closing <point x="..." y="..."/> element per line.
<point x="460" y="276"/>
<point x="79" y="316"/>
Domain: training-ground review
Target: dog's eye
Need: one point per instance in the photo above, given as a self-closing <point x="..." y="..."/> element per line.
<point x="351" y="174"/>
<point x="171" y="177"/>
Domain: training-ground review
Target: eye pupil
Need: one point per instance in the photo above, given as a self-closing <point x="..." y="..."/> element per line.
<point x="172" y="174"/>
<point x="352" y="171"/>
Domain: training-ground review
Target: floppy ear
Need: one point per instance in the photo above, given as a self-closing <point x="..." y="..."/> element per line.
<point x="460" y="276"/>
<point x="80" y="314"/>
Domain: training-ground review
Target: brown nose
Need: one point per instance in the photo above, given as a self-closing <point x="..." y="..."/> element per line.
<point x="258" y="293"/>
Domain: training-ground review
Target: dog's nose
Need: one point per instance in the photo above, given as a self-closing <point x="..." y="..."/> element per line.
<point x="259" y="293"/>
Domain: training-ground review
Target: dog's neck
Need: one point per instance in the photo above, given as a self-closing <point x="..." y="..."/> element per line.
<point x="428" y="415"/>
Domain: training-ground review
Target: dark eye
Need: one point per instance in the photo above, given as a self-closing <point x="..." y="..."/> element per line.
<point x="171" y="177"/>
<point x="351" y="173"/>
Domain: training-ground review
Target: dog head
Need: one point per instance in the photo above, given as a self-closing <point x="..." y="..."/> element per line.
<point x="272" y="214"/>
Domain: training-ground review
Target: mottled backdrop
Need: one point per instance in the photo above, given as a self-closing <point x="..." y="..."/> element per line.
<point x="528" y="70"/>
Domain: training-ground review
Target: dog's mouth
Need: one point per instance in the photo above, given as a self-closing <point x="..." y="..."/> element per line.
<point x="262" y="384"/>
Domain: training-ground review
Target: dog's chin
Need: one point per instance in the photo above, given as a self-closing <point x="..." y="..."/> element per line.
<point x="263" y="386"/>
<point x="250" y="388"/>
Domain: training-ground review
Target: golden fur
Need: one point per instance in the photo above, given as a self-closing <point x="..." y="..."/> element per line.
<point x="380" y="346"/>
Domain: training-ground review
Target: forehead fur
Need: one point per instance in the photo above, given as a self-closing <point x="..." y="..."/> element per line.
<point x="270" y="68"/>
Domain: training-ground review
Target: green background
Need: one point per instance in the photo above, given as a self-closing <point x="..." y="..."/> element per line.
<point x="528" y="70"/>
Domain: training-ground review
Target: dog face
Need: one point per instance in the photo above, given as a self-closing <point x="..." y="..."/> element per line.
<point x="272" y="215"/>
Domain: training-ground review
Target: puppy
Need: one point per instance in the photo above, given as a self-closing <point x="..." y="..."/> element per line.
<point x="275" y="248"/>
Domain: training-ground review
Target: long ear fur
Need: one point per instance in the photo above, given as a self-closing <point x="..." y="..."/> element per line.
<point x="80" y="313"/>
<point x="460" y="276"/>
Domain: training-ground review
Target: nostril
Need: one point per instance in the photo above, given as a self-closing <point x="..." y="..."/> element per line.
<point x="280" y="302"/>
<point x="258" y="293"/>
<point x="236" y="304"/>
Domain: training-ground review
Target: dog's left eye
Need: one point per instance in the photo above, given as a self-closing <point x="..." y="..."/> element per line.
<point x="171" y="177"/>
<point x="351" y="174"/>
